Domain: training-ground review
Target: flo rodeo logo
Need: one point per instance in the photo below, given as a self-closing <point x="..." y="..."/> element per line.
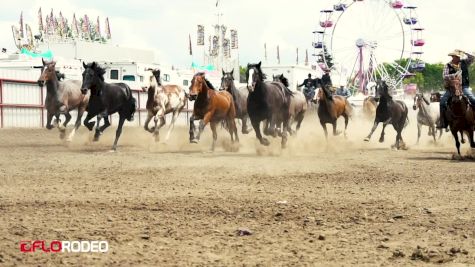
<point x="57" y="246"/>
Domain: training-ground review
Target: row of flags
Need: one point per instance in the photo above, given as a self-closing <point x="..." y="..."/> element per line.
<point x="219" y="39"/>
<point x="59" y="25"/>
<point x="278" y="55"/>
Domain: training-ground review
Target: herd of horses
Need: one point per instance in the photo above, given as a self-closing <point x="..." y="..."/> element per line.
<point x="271" y="103"/>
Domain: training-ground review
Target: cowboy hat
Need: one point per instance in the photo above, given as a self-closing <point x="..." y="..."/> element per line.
<point x="456" y="53"/>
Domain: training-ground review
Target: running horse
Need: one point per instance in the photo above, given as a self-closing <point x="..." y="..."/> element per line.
<point x="239" y="99"/>
<point x="426" y="116"/>
<point x="268" y="101"/>
<point x="370" y="104"/>
<point x="61" y="98"/>
<point x="162" y="99"/>
<point x="212" y="107"/>
<point x="460" y="114"/>
<point x="298" y="104"/>
<point x="389" y="111"/>
<point x="331" y="107"/>
<point x="106" y="99"/>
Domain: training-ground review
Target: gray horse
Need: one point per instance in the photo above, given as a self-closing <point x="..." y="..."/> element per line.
<point x="298" y="104"/>
<point x="61" y="98"/>
<point x="426" y="116"/>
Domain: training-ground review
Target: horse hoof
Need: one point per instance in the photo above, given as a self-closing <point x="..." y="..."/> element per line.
<point x="265" y="142"/>
<point x="381" y="140"/>
<point x="194" y="141"/>
<point x="366" y="139"/>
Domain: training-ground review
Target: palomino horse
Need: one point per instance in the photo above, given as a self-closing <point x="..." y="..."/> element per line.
<point x="239" y="98"/>
<point x="106" y="99"/>
<point x="61" y="98"/>
<point x="212" y="107"/>
<point x="298" y="104"/>
<point x="162" y="99"/>
<point x="389" y="111"/>
<point x="369" y="107"/>
<point x="460" y="115"/>
<point x="267" y="101"/>
<point x="426" y="116"/>
<point x="331" y="107"/>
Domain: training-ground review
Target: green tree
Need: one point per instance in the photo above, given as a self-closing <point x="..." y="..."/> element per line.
<point x="242" y="74"/>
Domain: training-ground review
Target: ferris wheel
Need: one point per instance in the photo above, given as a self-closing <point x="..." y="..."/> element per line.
<point x="364" y="40"/>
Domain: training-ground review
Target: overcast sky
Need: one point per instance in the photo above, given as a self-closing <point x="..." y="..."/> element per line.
<point x="164" y="25"/>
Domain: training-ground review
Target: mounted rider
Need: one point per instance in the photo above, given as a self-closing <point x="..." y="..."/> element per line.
<point x="327" y="80"/>
<point x="310" y="86"/>
<point x="460" y="62"/>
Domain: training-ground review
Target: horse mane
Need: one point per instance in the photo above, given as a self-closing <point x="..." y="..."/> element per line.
<point x="284" y="80"/>
<point x="156" y="74"/>
<point x="327" y="92"/>
<point x="60" y="75"/>
<point x="100" y="71"/>
<point x="209" y="84"/>
<point x="262" y="75"/>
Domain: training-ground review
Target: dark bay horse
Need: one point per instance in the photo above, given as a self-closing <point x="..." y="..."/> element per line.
<point x="212" y="107"/>
<point x="239" y="98"/>
<point x="330" y="108"/>
<point x="61" y="98"/>
<point x="298" y="104"/>
<point x="267" y="101"/>
<point x="106" y="99"/>
<point x="389" y="111"/>
<point x="426" y="116"/>
<point x="460" y="114"/>
<point x="162" y="99"/>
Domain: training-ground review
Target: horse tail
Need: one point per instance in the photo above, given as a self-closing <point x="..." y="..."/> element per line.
<point x="131" y="104"/>
<point x="406" y="111"/>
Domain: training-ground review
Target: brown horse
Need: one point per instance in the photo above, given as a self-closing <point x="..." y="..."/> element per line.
<point x="61" y="98"/>
<point x="330" y="108"/>
<point x="162" y="99"/>
<point x="459" y="113"/>
<point x="369" y="107"/>
<point x="212" y="107"/>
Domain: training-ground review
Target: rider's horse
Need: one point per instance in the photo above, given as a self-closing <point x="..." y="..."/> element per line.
<point x="459" y="113"/>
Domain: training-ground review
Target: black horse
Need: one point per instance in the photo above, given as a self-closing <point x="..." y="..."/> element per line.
<point x="389" y="111"/>
<point x="267" y="101"/>
<point x="459" y="114"/>
<point x="239" y="98"/>
<point x="106" y="99"/>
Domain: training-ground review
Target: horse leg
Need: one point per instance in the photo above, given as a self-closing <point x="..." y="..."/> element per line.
<point x="299" y="120"/>
<point x="100" y="130"/>
<point x="245" y="129"/>
<point x="285" y="128"/>
<point x="62" y="128"/>
<point x="255" y="125"/>
<point x="346" y="124"/>
<point x="147" y="121"/>
<point x="212" y="125"/>
<point x="432" y="127"/>
<point x="192" y="131"/>
<point x="462" y="137"/>
<point x="419" y="128"/>
<point x="375" y="125"/>
<point x="201" y="128"/>
<point x="324" y="125"/>
<point x="381" y="139"/>
<point x="335" y="132"/>
<point x="156" y="133"/>
<point x="172" y="124"/>
<point x="470" y="136"/>
<point x="49" y="117"/>
<point x="118" y="132"/>
<point x="89" y="125"/>
<point x="76" y="124"/>
<point x="457" y="143"/>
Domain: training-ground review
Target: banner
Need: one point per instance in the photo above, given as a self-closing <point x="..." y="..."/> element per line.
<point x="214" y="51"/>
<point x="40" y="21"/>
<point x="75" y="28"/>
<point x="108" y="29"/>
<point x="234" y="39"/>
<point x="200" y="35"/>
<point x="226" y="48"/>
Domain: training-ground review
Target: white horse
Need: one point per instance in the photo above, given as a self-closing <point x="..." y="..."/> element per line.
<point x="162" y="99"/>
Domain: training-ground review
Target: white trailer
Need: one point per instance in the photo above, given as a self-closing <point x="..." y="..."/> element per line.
<point x="296" y="74"/>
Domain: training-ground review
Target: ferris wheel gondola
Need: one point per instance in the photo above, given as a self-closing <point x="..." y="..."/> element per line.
<point x="368" y="40"/>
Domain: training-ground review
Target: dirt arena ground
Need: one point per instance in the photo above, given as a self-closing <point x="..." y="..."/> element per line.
<point x="338" y="204"/>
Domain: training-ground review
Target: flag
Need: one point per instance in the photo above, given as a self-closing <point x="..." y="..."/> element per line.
<point x="265" y="51"/>
<point x="200" y="35"/>
<point x="190" y="48"/>
<point x="278" y="55"/>
<point x="108" y="29"/>
<point x="306" y="57"/>
<point x="21" y="25"/>
<point x="47" y="24"/>
<point x="234" y="39"/>
<point x="85" y="27"/>
<point x="98" y="28"/>
<point x="297" y="55"/>
<point x="62" y="25"/>
<point x="217" y="2"/>
<point x="40" y="20"/>
<point x="75" y="29"/>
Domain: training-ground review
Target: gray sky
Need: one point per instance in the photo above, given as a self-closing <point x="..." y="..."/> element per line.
<point x="164" y="25"/>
